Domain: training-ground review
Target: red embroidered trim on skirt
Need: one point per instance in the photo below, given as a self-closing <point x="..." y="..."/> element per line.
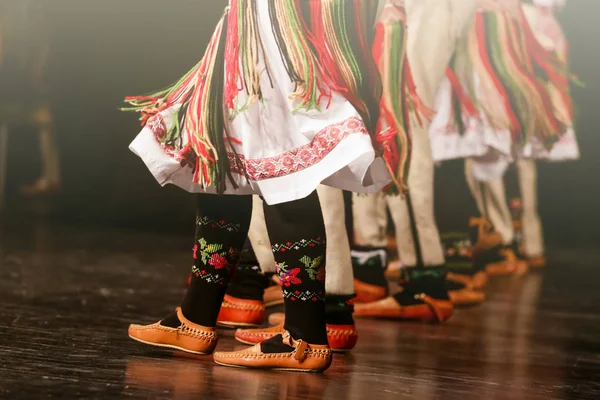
<point x="282" y="164"/>
<point x="301" y="158"/>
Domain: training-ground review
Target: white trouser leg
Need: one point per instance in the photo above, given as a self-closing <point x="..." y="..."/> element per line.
<point x="339" y="278"/>
<point x="434" y="27"/>
<point x="3" y="160"/>
<point x="475" y="186"/>
<point x="404" y="239"/>
<point x="420" y="182"/>
<point x="50" y="157"/>
<point x="498" y="209"/>
<point x="533" y="240"/>
<point x="370" y="219"/>
<point x="490" y="197"/>
<point x="259" y="237"/>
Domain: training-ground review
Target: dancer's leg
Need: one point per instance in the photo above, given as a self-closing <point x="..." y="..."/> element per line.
<point x="339" y="266"/>
<point x="249" y="291"/>
<point x="50" y="156"/>
<point x="222" y="224"/>
<point x="260" y="238"/>
<point x="498" y="210"/>
<point x="49" y="179"/>
<point x="533" y="240"/>
<point x="370" y="220"/>
<point x="339" y="281"/>
<point x="339" y="284"/>
<point x="421" y="217"/>
<point x="3" y="160"/>
<point x="490" y="197"/>
<point x="297" y="233"/>
<point x="494" y="232"/>
<point x="369" y="252"/>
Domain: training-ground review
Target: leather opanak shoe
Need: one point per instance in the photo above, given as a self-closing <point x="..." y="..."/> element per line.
<point x="463" y="296"/>
<point x="477" y="281"/>
<point x="188" y="337"/>
<point x="485" y="237"/>
<point x="340" y="337"/>
<point x="509" y="265"/>
<point x="237" y="312"/>
<point x="428" y="309"/>
<point x="536" y="262"/>
<point x="367" y="293"/>
<point x="304" y="358"/>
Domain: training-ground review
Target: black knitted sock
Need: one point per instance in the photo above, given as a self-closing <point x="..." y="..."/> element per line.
<point x="339" y="309"/>
<point x="222" y="224"/>
<point x="297" y="233"/>
<point x="369" y="264"/>
<point x="422" y="280"/>
<point x="248" y="282"/>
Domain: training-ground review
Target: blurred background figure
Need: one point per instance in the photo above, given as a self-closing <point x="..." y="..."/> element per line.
<point x="24" y="54"/>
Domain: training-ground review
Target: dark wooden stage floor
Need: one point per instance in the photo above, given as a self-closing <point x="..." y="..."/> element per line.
<point x="67" y="295"/>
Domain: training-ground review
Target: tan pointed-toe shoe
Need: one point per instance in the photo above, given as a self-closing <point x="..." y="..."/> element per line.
<point x="466" y="297"/>
<point x="304" y="358"/>
<point x="536" y="262"/>
<point x="341" y="338"/>
<point x="188" y="337"/>
<point x="367" y="293"/>
<point x="487" y="237"/>
<point x="477" y="281"/>
<point x="510" y="265"/>
<point x="430" y="309"/>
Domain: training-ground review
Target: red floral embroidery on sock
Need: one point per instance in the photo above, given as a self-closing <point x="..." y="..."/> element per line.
<point x="217" y="261"/>
<point x="288" y="278"/>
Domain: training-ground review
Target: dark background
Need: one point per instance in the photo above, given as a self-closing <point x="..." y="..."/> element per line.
<point x="105" y="50"/>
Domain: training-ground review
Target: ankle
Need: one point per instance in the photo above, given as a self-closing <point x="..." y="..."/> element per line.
<point x="248" y="283"/>
<point x="275" y="345"/>
<point x="426" y="280"/>
<point x="171" y="321"/>
<point x="339" y="309"/>
<point x="369" y="264"/>
<point x="202" y="302"/>
<point x="306" y="321"/>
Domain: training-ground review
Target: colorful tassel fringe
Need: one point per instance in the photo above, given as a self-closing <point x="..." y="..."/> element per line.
<point x="515" y="72"/>
<point x="399" y="100"/>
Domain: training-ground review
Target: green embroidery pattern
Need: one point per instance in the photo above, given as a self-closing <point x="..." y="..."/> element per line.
<point x="206" y="250"/>
<point x="314" y="267"/>
<point x="215" y="264"/>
